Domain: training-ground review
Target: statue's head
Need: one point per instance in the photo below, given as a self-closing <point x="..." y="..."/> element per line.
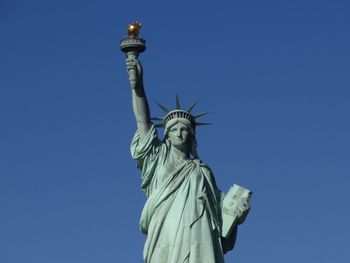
<point x="180" y="127"/>
<point x="180" y="134"/>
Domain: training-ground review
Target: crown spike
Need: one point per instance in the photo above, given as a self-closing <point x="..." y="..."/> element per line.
<point x="165" y="109"/>
<point x="192" y="106"/>
<point x="177" y="103"/>
<point x="200" y="114"/>
<point x="179" y="113"/>
<point x="203" y="123"/>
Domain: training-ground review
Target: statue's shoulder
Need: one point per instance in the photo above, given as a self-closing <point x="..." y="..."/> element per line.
<point x="204" y="166"/>
<point x="206" y="171"/>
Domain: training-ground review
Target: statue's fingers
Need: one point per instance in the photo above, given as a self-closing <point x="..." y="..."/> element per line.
<point x="130" y="61"/>
<point x="130" y="64"/>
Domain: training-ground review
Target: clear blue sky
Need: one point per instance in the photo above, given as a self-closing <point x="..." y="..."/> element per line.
<point x="273" y="74"/>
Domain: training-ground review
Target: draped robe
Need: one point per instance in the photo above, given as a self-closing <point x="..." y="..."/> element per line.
<point x="181" y="218"/>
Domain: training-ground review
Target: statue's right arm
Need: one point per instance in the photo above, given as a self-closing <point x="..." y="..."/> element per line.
<point x="139" y="99"/>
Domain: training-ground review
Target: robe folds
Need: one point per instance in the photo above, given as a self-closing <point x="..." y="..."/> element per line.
<point x="181" y="218"/>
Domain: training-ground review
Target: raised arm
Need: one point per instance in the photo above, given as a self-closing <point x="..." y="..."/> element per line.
<point x="139" y="99"/>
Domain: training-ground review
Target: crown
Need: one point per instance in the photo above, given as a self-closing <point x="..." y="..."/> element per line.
<point x="178" y="113"/>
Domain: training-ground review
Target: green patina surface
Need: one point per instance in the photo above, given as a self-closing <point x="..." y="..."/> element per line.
<point x="186" y="217"/>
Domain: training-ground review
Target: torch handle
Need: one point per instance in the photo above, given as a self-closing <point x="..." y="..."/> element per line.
<point x="133" y="76"/>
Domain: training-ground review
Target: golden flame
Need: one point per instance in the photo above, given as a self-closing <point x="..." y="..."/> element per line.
<point x="134" y="29"/>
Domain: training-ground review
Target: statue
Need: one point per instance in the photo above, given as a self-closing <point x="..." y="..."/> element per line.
<point x="186" y="217"/>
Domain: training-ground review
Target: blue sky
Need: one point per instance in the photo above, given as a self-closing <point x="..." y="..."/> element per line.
<point x="273" y="74"/>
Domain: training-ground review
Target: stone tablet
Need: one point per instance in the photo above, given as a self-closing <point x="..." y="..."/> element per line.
<point x="232" y="208"/>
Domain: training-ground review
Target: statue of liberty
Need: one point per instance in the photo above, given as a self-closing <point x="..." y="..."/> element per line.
<point x="182" y="217"/>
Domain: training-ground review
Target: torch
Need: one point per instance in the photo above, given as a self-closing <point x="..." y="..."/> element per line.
<point x="132" y="46"/>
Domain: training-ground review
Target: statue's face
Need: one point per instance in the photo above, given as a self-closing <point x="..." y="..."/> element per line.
<point x="179" y="134"/>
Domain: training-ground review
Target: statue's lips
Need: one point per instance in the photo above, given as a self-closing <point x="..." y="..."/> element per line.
<point x="178" y="140"/>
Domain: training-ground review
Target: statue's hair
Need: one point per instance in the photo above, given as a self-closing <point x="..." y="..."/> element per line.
<point x="193" y="148"/>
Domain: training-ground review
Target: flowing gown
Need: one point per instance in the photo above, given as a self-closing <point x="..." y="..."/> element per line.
<point x="181" y="218"/>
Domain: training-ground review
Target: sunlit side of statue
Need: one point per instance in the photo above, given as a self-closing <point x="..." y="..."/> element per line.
<point x="186" y="217"/>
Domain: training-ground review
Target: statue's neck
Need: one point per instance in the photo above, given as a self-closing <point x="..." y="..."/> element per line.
<point x="179" y="153"/>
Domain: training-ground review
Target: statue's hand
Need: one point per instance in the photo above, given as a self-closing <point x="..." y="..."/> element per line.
<point x="135" y="71"/>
